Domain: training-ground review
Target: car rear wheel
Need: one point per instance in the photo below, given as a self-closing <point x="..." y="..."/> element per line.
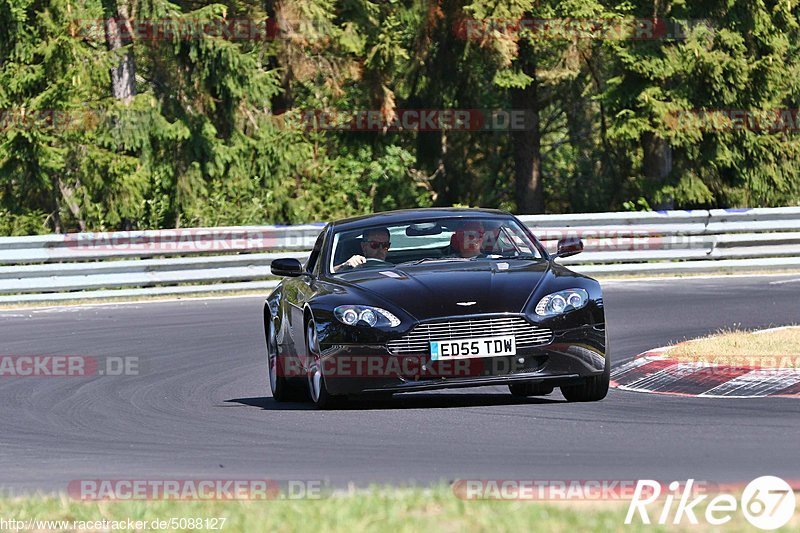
<point x="284" y="389"/>
<point x="592" y="389"/>
<point x="317" y="389"/>
<point x="530" y="389"/>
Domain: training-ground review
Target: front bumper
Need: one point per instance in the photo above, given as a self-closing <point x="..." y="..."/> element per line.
<point x="573" y="354"/>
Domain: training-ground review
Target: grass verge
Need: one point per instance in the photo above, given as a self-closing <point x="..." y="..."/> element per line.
<point x="778" y="348"/>
<point x="395" y="510"/>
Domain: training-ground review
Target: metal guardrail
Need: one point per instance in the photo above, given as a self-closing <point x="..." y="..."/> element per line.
<point x="164" y="262"/>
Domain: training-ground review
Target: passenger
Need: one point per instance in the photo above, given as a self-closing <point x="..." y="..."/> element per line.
<point x="467" y="240"/>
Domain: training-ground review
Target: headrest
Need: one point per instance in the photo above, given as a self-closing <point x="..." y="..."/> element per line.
<point x="455" y="242"/>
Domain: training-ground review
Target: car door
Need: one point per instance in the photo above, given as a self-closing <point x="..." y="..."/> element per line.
<point x="298" y="292"/>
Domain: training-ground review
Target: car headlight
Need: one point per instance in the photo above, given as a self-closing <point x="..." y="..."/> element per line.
<point x="372" y="316"/>
<point x="562" y="302"/>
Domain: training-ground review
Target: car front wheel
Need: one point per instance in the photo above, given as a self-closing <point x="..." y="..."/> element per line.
<point x="283" y="388"/>
<point x="592" y="389"/>
<point x="317" y="390"/>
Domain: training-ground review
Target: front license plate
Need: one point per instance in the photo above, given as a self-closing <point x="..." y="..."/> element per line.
<point x="471" y="348"/>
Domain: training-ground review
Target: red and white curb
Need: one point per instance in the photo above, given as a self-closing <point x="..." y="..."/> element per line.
<point x="654" y="372"/>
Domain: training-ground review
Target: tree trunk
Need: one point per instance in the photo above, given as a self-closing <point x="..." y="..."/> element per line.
<point x="119" y="34"/>
<point x="528" y="146"/>
<point x="657" y="166"/>
<point x="278" y="29"/>
<point x="68" y="194"/>
<point x="587" y="192"/>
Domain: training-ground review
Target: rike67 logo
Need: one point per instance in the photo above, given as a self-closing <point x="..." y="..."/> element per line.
<point x="768" y="502"/>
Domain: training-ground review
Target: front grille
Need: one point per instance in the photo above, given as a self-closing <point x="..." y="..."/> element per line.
<point x="417" y="341"/>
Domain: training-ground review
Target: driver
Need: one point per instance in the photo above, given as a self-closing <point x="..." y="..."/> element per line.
<point x="374" y="244"/>
<point x="467" y="240"/>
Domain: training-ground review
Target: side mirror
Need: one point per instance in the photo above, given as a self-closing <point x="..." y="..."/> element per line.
<point x="286" y="267"/>
<point x="569" y="246"/>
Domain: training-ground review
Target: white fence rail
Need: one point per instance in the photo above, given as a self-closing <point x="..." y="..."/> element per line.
<point x="127" y="264"/>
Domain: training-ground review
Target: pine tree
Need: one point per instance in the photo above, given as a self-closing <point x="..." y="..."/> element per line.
<point x="729" y="57"/>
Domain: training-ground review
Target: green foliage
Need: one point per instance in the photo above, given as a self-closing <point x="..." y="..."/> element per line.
<point x="206" y="139"/>
<point x="744" y="58"/>
<point x="32" y="223"/>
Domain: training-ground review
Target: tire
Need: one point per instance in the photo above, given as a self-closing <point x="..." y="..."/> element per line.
<point x="283" y="389"/>
<point x="592" y="389"/>
<point x="317" y="390"/>
<point x="524" y="390"/>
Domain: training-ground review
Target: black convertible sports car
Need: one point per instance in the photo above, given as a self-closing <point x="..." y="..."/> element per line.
<point x="433" y="298"/>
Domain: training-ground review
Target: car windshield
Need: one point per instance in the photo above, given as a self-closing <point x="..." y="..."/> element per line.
<point x="424" y="241"/>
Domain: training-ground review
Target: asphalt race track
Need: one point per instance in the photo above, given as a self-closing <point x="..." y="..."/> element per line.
<point x="200" y="406"/>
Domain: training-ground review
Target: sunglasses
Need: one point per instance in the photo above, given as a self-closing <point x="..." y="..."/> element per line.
<point x="378" y="244"/>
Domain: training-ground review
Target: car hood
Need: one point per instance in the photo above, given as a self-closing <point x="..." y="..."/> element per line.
<point x="431" y="290"/>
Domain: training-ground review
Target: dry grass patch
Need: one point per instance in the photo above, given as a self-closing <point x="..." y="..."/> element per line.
<point x="779" y="348"/>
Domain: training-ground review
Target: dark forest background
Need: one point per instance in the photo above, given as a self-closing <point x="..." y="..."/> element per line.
<point x="106" y="126"/>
